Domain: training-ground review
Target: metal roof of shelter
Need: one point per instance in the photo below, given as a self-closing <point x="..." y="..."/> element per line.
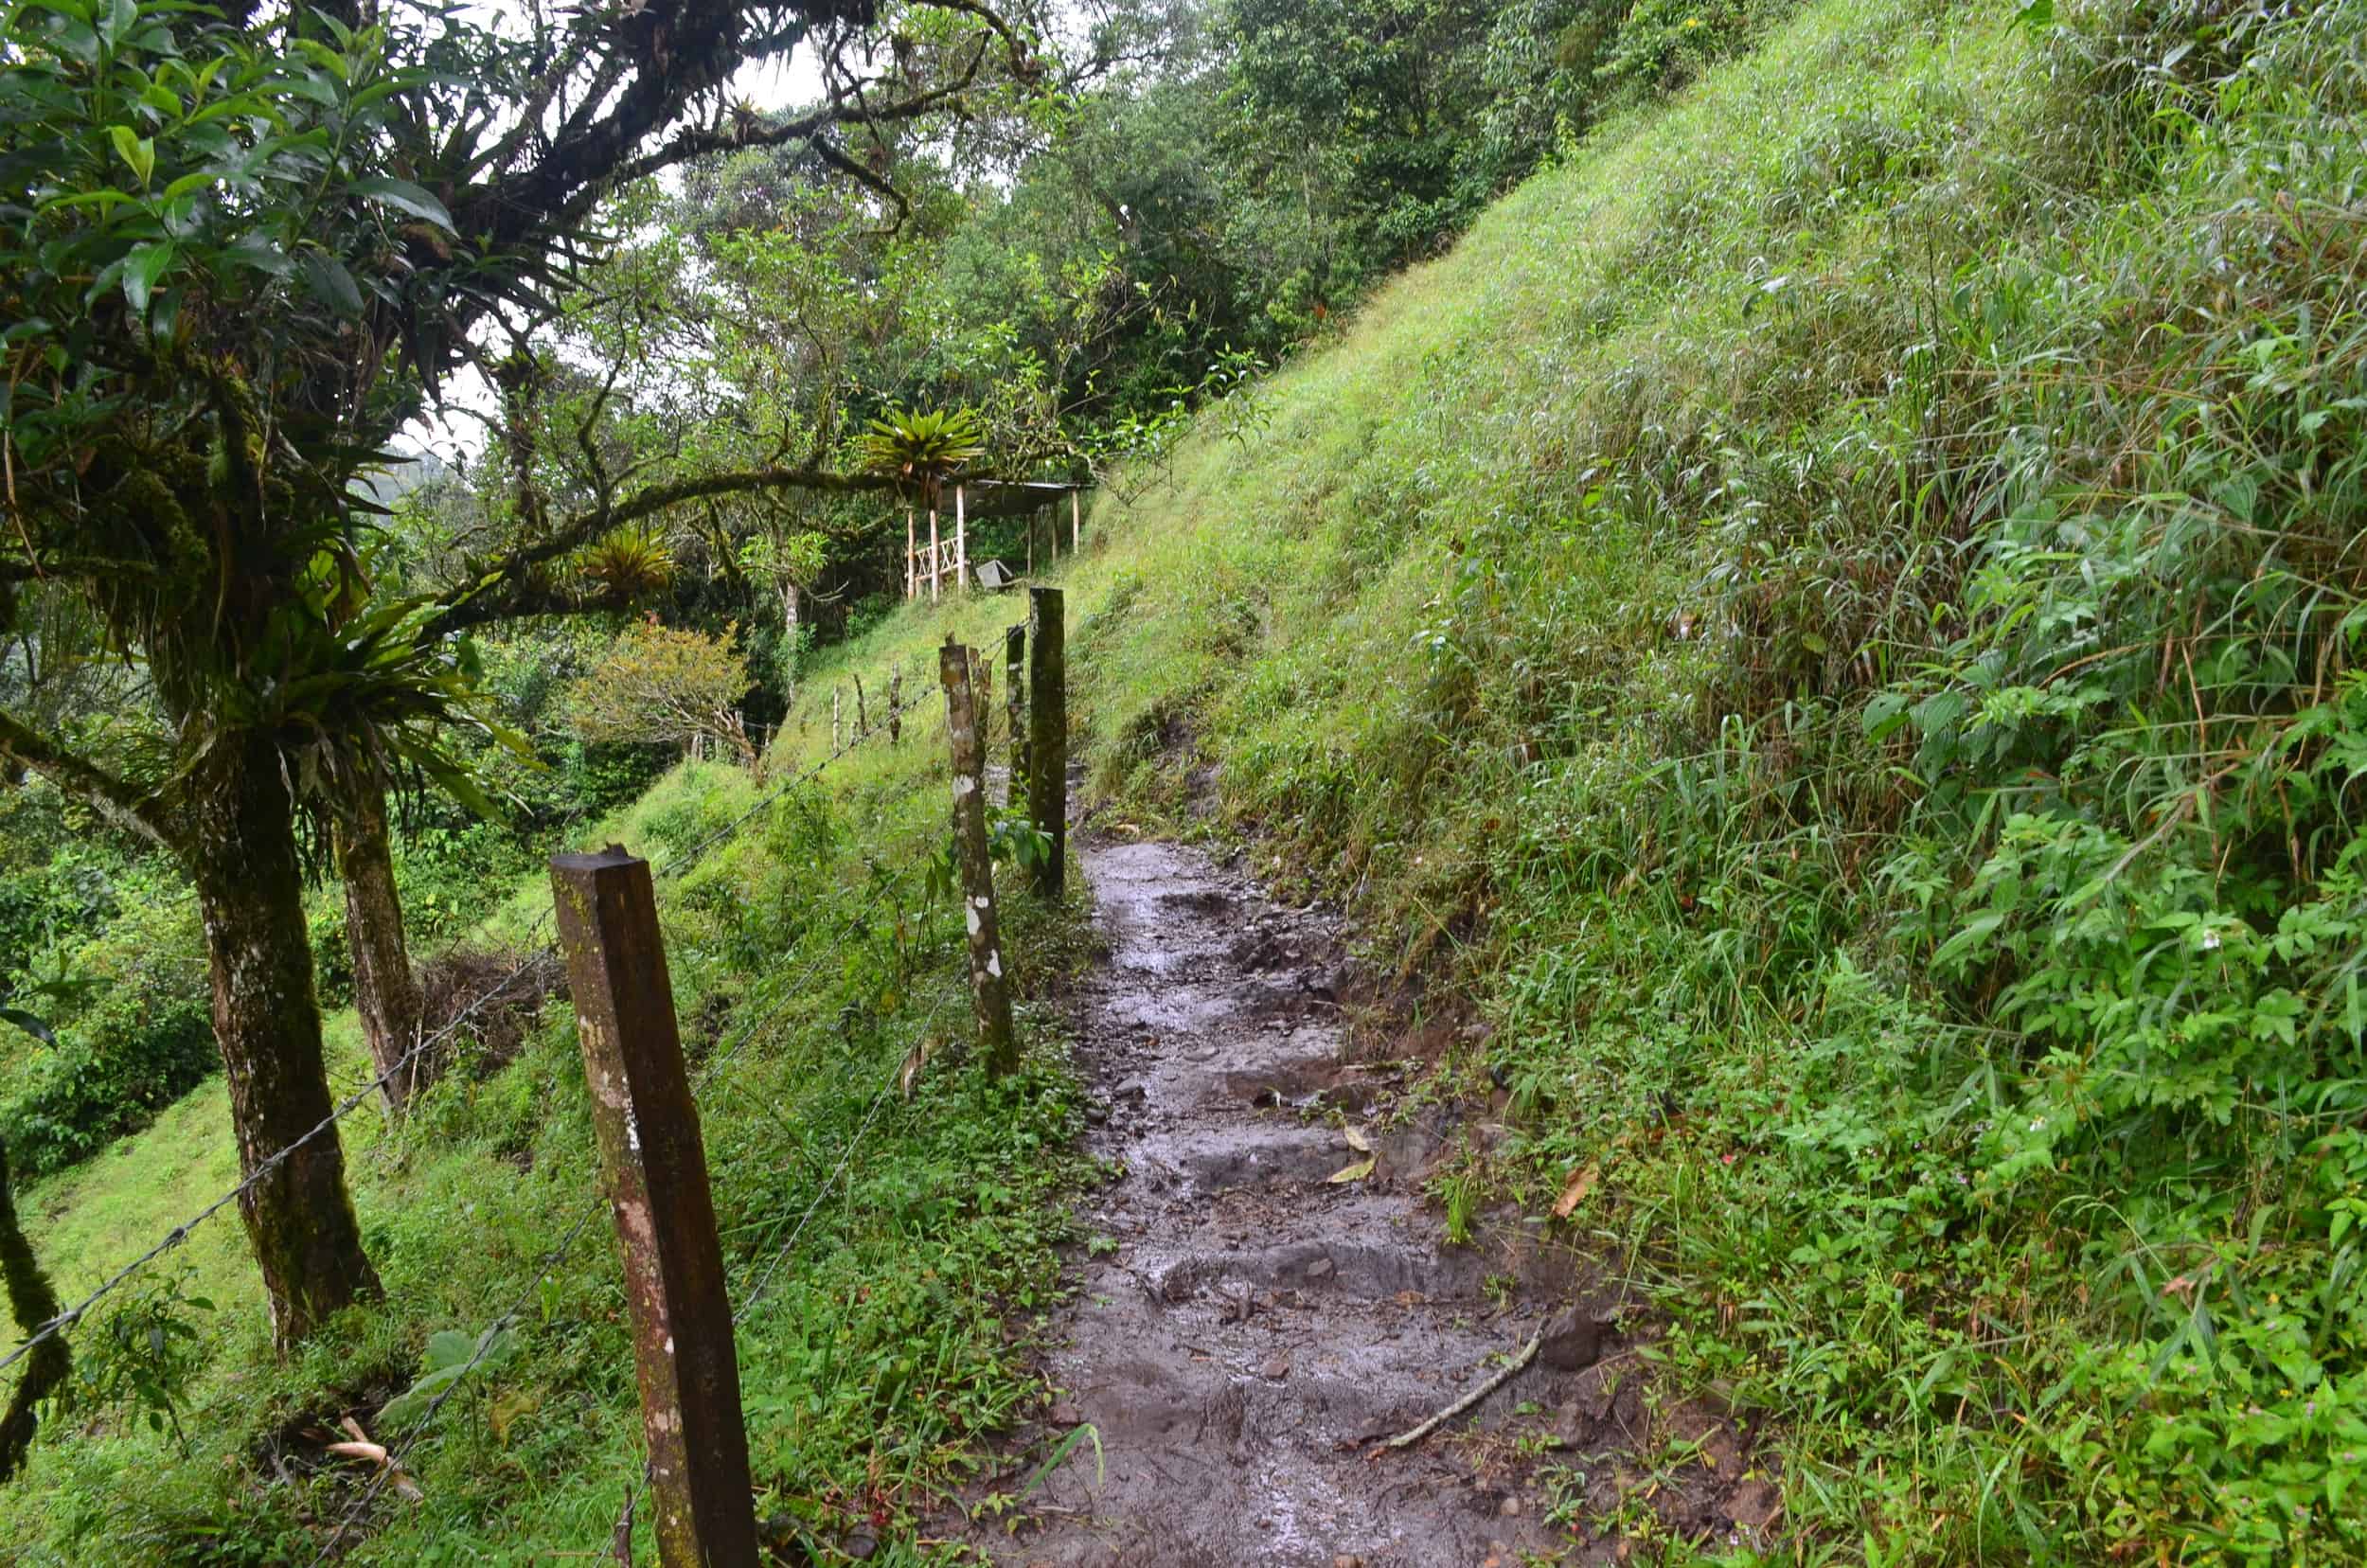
<point x="1014" y="497"/>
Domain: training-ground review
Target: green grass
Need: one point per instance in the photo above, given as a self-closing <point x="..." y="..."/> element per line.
<point x="1830" y="617"/>
<point x="896" y="1335"/>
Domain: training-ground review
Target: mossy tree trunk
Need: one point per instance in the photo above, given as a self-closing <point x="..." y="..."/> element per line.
<point x="386" y="991"/>
<point x="33" y="1301"/>
<point x="299" y="1218"/>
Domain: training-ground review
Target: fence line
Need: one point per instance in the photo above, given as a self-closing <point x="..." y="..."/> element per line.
<point x="180" y="1232"/>
<point x="710" y="1071"/>
<point x="860" y="924"/>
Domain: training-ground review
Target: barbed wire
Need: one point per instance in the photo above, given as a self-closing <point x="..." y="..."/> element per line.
<point x="271" y="1163"/>
<point x="392" y="1465"/>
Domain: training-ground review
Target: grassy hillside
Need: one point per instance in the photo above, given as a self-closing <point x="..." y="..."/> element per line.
<point x="1829" y="618"/>
<point x="1833" y="616"/>
<point x="811" y="957"/>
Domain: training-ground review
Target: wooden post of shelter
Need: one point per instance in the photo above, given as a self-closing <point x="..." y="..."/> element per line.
<point x="1015" y="701"/>
<point x="1047" y="737"/>
<point x="961" y="540"/>
<point x="934" y="573"/>
<point x="654" y="1170"/>
<point x="1075" y="520"/>
<point x="1033" y="517"/>
<point x="911" y="545"/>
<point x="989" y="986"/>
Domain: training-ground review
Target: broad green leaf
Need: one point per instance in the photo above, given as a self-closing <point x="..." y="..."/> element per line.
<point x="311" y="85"/>
<point x="261" y="252"/>
<point x="405" y="197"/>
<point x="138" y="153"/>
<point x="327" y="278"/>
<point x="30" y="1024"/>
<point x="122" y="15"/>
<point x="141" y="270"/>
<point x="448" y="1349"/>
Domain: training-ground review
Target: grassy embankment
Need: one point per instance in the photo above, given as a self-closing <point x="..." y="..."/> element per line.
<point x="1834" y="617"/>
<point x="895" y="1333"/>
<point x="1830" y="616"/>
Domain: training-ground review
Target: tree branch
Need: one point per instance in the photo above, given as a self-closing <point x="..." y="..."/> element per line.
<point x="510" y="588"/>
<point x="118" y="801"/>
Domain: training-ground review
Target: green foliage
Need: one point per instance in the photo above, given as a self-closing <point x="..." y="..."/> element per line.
<point x="1835" y="613"/>
<point x="142" y="1356"/>
<point x="661" y="683"/>
<point x="808" y="964"/>
<point x="923" y="450"/>
<point x="451" y="1355"/>
<point x="141" y="1037"/>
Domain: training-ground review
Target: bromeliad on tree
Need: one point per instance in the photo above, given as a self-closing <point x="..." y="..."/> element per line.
<point x="238" y="251"/>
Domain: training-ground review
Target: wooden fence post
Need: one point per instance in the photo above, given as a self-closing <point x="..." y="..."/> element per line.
<point x="1048" y="737"/>
<point x="982" y="694"/>
<point x="863" y="712"/>
<point x="1015" y="704"/>
<point x="989" y="988"/>
<point x="895" y="708"/>
<point x="655" y="1172"/>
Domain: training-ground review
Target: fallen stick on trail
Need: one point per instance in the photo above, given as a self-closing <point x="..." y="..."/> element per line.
<point x="1505" y="1373"/>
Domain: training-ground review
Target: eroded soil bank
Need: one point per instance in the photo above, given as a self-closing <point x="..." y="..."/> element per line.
<point x="1247" y="1329"/>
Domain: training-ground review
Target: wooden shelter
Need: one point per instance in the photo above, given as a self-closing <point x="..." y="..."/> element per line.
<point x="927" y="564"/>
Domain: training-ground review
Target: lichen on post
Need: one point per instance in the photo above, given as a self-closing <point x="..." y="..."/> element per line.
<point x="989" y="979"/>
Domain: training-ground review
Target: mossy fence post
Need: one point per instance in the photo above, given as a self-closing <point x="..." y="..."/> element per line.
<point x="1015" y="701"/>
<point x="653" y="1166"/>
<point x="1047" y="737"/>
<point x="989" y="986"/>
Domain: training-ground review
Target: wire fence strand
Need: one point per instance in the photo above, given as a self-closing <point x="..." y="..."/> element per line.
<point x="271" y="1163"/>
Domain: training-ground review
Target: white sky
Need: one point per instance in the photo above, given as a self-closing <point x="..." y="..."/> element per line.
<point x="782" y="82"/>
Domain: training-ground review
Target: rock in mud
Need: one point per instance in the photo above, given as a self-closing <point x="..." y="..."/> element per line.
<point x="1572" y="1341"/>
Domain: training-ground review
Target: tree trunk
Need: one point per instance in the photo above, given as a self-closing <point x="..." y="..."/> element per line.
<point x="386" y="991"/>
<point x="33" y="1301"/>
<point x="299" y="1218"/>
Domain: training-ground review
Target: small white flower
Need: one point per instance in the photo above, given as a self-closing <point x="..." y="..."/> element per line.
<point x="2210" y="940"/>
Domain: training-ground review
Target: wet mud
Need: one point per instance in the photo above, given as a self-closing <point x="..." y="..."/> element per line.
<point x="1246" y="1330"/>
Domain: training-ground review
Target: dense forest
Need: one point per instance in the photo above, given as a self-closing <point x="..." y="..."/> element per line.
<point x="1793" y="565"/>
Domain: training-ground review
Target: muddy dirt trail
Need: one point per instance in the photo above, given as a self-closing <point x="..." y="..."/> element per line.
<point x="1246" y="1328"/>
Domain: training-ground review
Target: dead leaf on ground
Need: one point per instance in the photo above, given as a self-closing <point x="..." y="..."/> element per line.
<point x="1358" y="1141"/>
<point x="1575" y="1194"/>
<point x="1356" y="1172"/>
